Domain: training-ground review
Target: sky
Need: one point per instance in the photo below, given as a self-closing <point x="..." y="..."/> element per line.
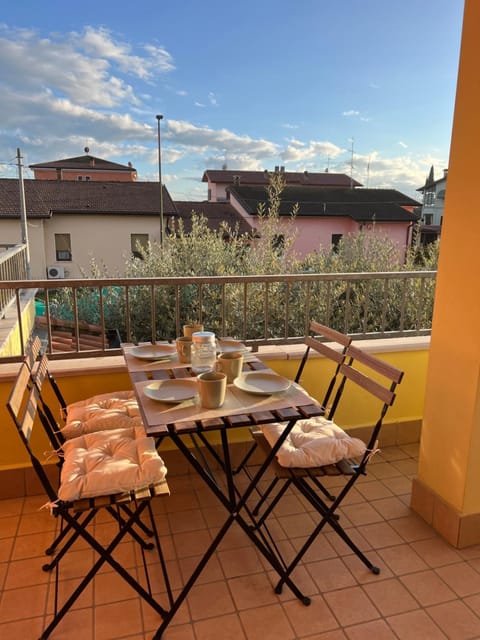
<point x="362" y="87"/>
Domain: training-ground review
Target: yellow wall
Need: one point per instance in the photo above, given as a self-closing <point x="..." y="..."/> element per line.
<point x="11" y="343"/>
<point x="356" y="410"/>
<point x="76" y="386"/>
<point x="450" y="447"/>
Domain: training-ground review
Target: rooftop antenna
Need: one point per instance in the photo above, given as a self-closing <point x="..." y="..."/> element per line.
<point x="351" y="165"/>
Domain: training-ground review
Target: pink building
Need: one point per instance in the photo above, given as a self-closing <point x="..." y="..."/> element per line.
<point x="325" y="214"/>
<point x="219" y="180"/>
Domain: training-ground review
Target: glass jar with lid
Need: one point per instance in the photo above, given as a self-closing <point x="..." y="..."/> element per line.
<point x="204" y="351"/>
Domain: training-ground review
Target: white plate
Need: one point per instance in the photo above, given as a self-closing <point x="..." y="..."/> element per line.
<point x="154" y="352"/>
<point x="171" y="391"/>
<point x="262" y="383"/>
<point x="226" y="345"/>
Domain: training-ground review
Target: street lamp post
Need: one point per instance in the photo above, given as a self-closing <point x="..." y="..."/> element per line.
<point x="159" y="117"/>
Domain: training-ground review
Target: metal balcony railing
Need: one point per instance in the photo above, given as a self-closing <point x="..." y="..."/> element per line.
<point x="12" y="267"/>
<point x="91" y="316"/>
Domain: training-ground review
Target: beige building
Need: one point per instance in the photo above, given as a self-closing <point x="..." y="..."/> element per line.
<point x="71" y="222"/>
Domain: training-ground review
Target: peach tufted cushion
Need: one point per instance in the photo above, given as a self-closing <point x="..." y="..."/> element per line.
<point x="109" y="462"/>
<point x="124" y="401"/>
<point x="115" y="410"/>
<point x="313" y="443"/>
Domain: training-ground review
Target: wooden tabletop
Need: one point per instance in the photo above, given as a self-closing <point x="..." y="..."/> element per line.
<point x="240" y="408"/>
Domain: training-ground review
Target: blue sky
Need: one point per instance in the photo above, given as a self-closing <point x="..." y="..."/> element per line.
<point x="308" y="84"/>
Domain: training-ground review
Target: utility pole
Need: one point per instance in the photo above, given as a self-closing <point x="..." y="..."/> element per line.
<point x="23" y="214"/>
<point x="159" y="117"/>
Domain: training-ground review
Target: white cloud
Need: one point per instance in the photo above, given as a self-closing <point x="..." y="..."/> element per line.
<point x="201" y="138"/>
<point x="350" y="113"/>
<point x="297" y="151"/>
<point x="78" y="67"/>
<point x="99" y="42"/>
<point x="402" y="144"/>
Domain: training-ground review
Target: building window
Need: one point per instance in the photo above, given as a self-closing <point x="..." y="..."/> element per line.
<point x="428" y="217"/>
<point x="429" y="199"/>
<point x="139" y="244"/>
<point x="63" y="247"/>
<point x="336" y="237"/>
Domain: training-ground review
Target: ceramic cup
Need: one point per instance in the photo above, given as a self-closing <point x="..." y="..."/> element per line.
<point x="211" y="388"/>
<point x="184" y="349"/>
<point x="190" y="328"/>
<point x="231" y="364"/>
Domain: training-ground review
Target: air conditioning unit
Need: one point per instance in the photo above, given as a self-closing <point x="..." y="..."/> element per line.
<point x="55" y="272"/>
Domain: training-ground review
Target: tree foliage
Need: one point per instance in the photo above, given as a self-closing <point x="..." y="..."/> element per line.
<point x="360" y="306"/>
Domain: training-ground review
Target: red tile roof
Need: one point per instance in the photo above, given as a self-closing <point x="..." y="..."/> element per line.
<point x="381" y="205"/>
<point x="215" y="212"/>
<point x="86" y="162"/>
<point x="304" y="178"/>
<point x="44" y="197"/>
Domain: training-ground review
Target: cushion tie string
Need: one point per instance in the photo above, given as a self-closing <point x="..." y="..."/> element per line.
<point x="53" y="452"/>
<point x="372" y="452"/>
<point x="50" y="506"/>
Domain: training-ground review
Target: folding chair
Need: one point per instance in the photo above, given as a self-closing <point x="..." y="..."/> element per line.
<point x="96" y="413"/>
<point x="123" y="484"/>
<point x="90" y="416"/>
<point x="378" y="380"/>
<point x="332" y="345"/>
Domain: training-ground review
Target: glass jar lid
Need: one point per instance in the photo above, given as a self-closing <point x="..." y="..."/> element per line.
<point x="203" y="336"/>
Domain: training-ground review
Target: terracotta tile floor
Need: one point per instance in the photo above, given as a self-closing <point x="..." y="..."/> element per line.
<point x="426" y="589"/>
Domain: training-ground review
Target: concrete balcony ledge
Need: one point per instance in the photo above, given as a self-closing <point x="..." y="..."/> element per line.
<point x="380" y="345"/>
<point x="116" y="364"/>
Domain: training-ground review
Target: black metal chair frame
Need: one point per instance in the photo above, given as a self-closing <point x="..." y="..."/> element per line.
<point x="377" y="378"/>
<point x="26" y="409"/>
<point x="332" y="345"/>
